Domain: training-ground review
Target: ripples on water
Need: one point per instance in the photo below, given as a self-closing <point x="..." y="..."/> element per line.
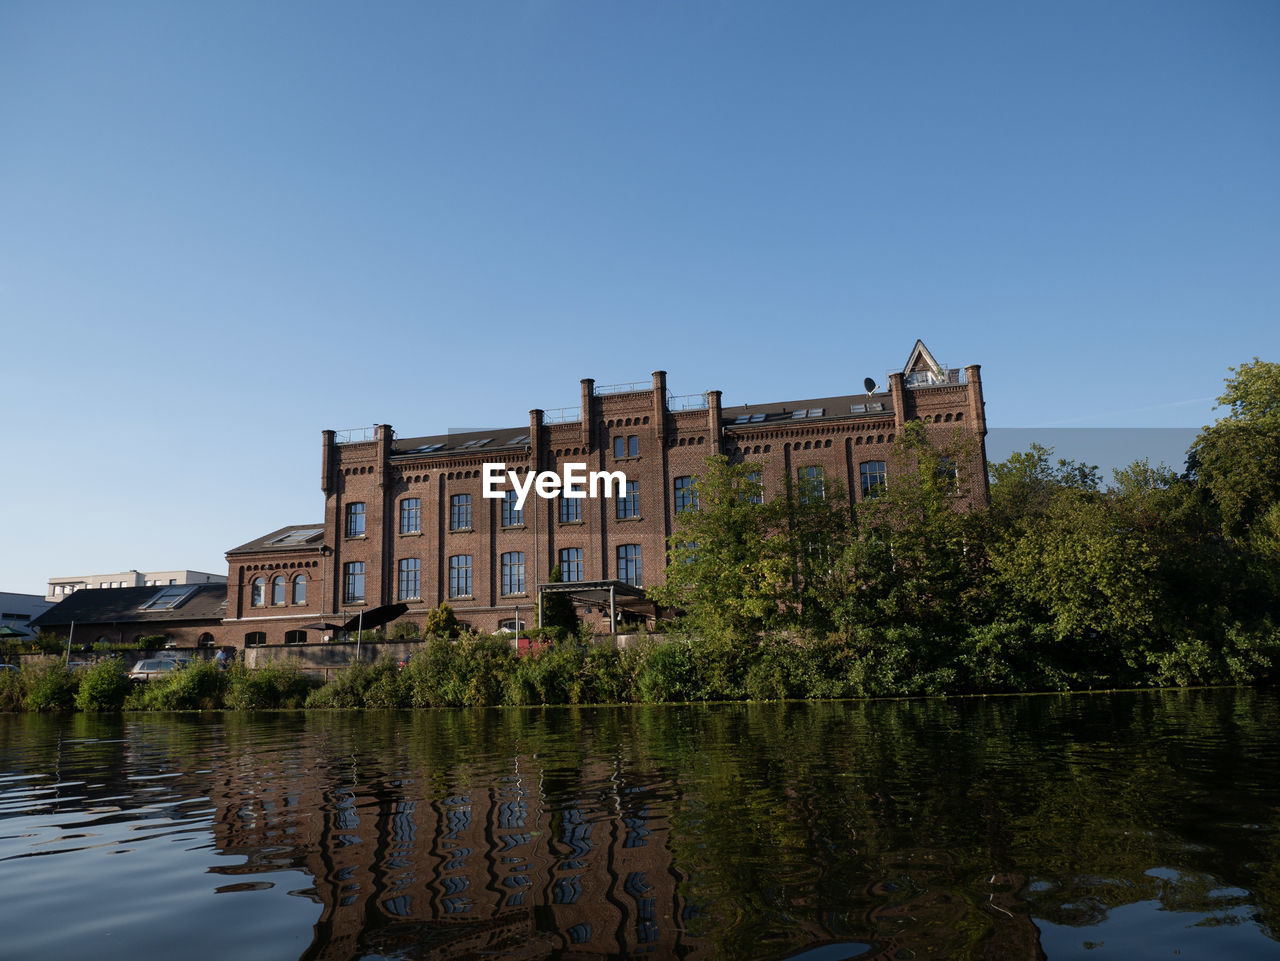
<point x="1104" y="826"/>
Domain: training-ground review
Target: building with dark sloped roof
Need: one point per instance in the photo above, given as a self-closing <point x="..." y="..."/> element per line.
<point x="186" y="615"/>
<point x="406" y="519"/>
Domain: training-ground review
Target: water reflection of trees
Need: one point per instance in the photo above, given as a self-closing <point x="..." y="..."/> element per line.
<point x="941" y="828"/>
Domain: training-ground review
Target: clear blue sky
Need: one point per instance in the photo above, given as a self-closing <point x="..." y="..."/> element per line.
<point x="227" y="226"/>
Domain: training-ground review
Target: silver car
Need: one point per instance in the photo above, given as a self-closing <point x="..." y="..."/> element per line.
<point x="151" y="667"/>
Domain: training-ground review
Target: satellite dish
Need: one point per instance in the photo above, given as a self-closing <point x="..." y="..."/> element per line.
<point x="869" y="384"/>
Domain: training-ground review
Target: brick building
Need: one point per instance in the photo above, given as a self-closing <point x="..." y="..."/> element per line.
<point x="406" y="521"/>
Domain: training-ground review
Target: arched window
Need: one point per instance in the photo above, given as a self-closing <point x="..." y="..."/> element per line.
<point x="258" y="592"/>
<point x="277" y="590"/>
<point x="295" y="637"/>
<point x="255" y="639"/>
<point x="300" y="589"/>
<point x="205" y="640"/>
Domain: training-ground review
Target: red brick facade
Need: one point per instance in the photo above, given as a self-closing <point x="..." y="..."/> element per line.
<point x="379" y="471"/>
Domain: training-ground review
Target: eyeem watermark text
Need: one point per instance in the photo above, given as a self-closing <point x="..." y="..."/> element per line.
<point x="577" y="482"/>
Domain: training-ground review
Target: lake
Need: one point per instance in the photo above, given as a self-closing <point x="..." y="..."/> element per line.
<point x="1086" y="826"/>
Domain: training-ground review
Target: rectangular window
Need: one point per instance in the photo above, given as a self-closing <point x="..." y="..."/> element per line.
<point x="874" y="477"/>
<point x="755" y="490"/>
<point x="460" y="575"/>
<point x="460" y="512"/>
<point x="686" y="497"/>
<point x="510" y="516"/>
<point x="410" y="579"/>
<point x="355" y="520"/>
<point x="513" y="573"/>
<point x="570" y="509"/>
<point x="411" y="515"/>
<point x="571" y="564"/>
<point x="629" y="503"/>
<point x="353" y="582"/>
<point x="810" y="483"/>
<point x="629" y="564"/>
<point x="626" y="446"/>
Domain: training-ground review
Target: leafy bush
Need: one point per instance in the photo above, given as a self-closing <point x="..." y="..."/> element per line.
<point x="441" y="622"/>
<point x="667" y="673"/>
<point x="103" y="687"/>
<point x="196" y="687"/>
<point x="363" y="685"/>
<point x="50" y="688"/>
<point x="13" y="690"/>
<point x="553" y="675"/>
<point x="273" y="686"/>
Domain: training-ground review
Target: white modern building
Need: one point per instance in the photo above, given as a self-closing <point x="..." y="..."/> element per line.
<point x="60" y="587"/>
<point x="18" y="610"/>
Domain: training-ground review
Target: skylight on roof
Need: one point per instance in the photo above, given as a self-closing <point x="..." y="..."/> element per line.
<point x="757" y="418"/>
<point x="742" y="418"/>
<point x="811" y="412"/>
<point x="297" y="537"/>
<point x="522" y="439"/>
<point x="425" y="450"/>
<point x="476" y="443"/>
<point x="169" y="598"/>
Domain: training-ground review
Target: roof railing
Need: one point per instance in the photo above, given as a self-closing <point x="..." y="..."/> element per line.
<point x="356" y="435"/>
<point x="562" y="415"/>
<point x="686" y="401"/>
<point x="635" y="385"/>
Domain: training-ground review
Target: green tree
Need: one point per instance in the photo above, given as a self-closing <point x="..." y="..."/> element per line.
<point x="440" y="622"/>
<point x="722" y="570"/>
<point x="1023" y="486"/>
<point x="918" y="553"/>
<point x="1237" y="459"/>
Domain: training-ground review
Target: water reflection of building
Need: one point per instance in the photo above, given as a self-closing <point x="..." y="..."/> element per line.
<point x="439" y="857"/>
<point x="492" y="869"/>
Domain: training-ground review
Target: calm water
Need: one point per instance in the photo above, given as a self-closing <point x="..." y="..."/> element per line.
<point x="1104" y="826"/>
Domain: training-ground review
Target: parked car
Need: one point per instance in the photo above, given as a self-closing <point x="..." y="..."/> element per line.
<point x="8" y="667"/>
<point x="151" y="667"/>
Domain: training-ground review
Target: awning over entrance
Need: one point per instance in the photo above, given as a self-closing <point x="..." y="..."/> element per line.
<point x="612" y="595"/>
<point x="376" y="617"/>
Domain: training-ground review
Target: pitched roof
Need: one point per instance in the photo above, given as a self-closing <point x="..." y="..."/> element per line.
<point x="467" y="441"/>
<point x="846" y="405"/>
<point x="295" y="537"/>
<point x="106" y="605"/>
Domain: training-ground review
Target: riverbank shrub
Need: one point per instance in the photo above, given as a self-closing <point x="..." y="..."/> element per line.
<point x="196" y="687"/>
<point x="50" y="687"/>
<point x="102" y="687"/>
<point x="272" y="686"/>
